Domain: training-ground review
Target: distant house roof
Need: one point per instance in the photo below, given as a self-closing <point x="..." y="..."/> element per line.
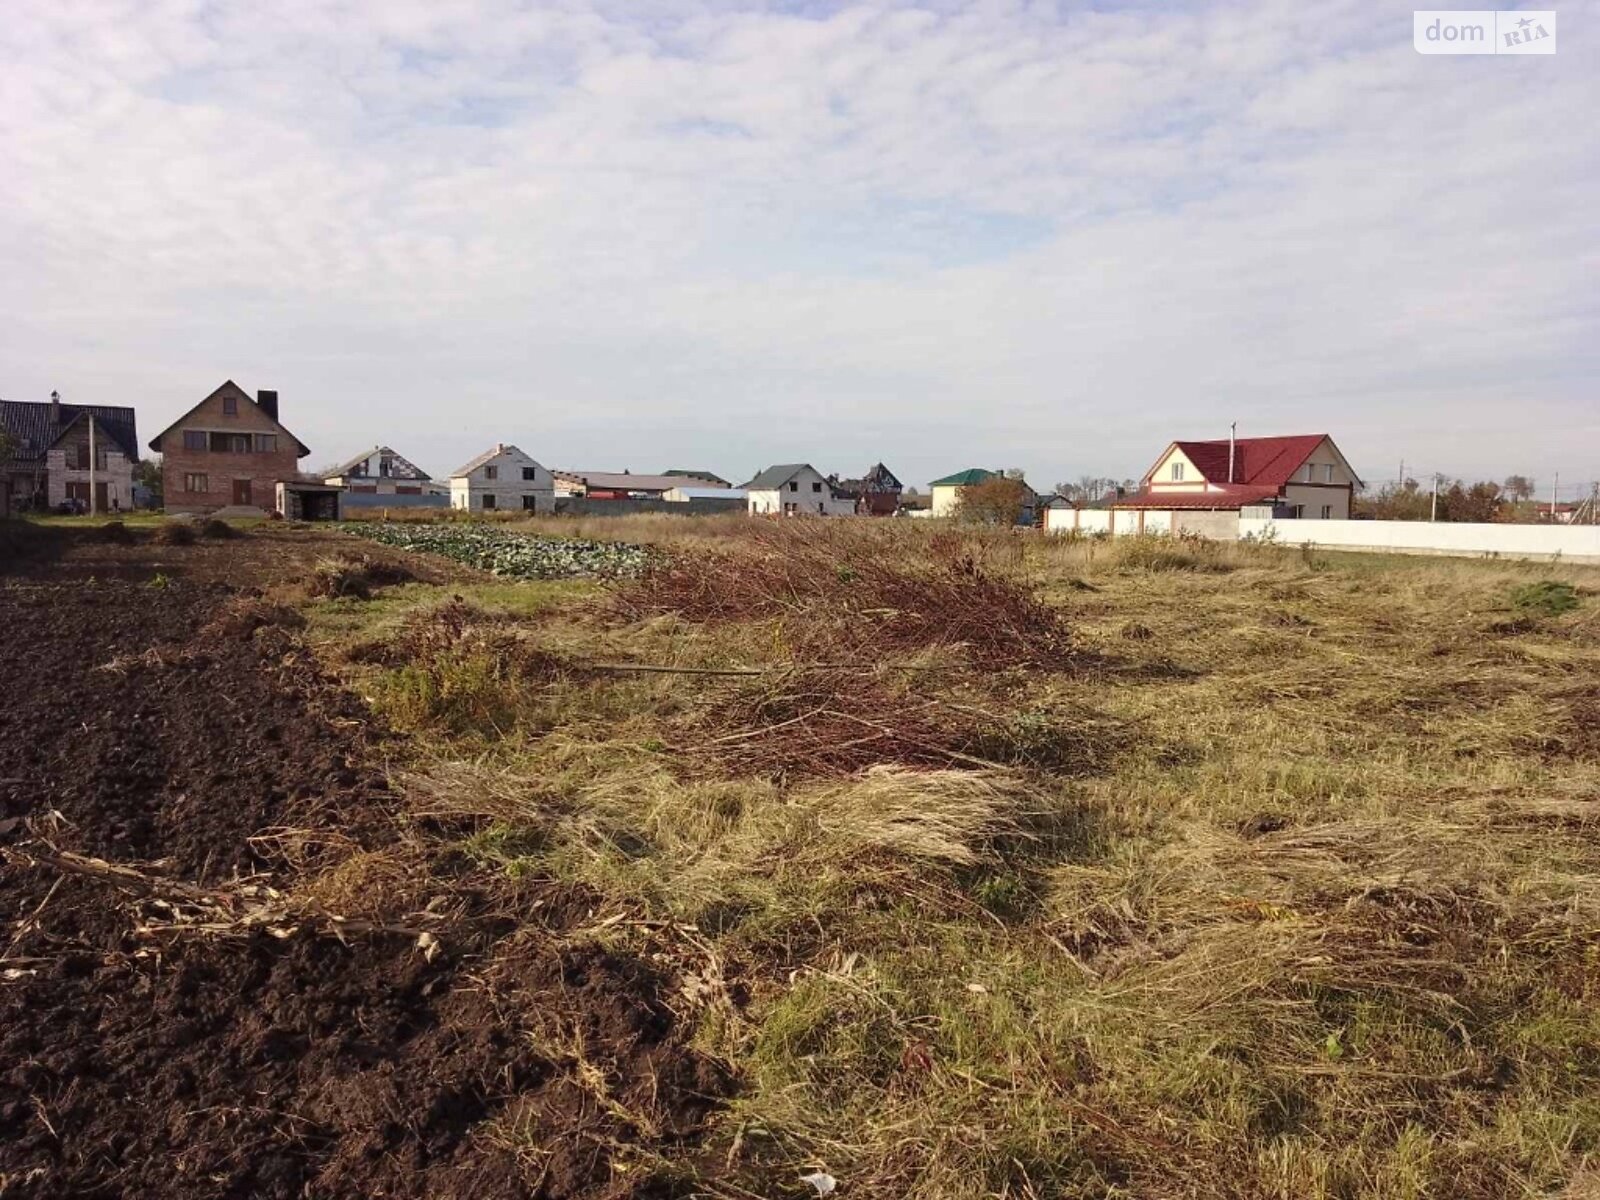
<point x="776" y="477"/>
<point x="965" y="478"/>
<point x="708" y="476"/>
<point x="621" y="481"/>
<point x="878" y="480"/>
<point x="403" y="468"/>
<point x="36" y="425"/>
<point x="1264" y="461"/>
<point x="711" y="493"/>
<point x="489" y="455"/>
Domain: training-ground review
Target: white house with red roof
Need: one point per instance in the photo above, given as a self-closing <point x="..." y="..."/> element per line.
<point x="1200" y="486"/>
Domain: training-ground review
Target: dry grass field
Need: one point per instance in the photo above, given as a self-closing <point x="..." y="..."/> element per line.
<point x="996" y="866"/>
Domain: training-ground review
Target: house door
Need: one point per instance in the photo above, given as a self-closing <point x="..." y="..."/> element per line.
<point x="102" y="500"/>
<point x="241" y="491"/>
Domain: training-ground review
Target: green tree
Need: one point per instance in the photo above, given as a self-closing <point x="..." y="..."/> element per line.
<point x="147" y="474"/>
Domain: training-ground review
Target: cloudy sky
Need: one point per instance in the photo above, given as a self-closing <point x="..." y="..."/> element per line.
<point x="651" y="234"/>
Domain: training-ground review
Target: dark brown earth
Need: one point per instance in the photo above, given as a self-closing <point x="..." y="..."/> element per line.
<point x="156" y="712"/>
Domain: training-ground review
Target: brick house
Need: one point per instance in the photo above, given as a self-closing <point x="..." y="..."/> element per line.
<point x="51" y="456"/>
<point x="227" y="451"/>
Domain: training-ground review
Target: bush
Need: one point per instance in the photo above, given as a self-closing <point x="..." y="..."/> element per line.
<point x="998" y="500"/>
<point x="1546" y="598"/>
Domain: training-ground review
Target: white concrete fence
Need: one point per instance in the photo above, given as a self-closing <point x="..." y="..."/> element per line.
<point x="1571" y="543"/>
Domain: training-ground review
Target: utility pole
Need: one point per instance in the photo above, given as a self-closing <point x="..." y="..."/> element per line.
<point x="94" y="505"/>
<point x="1554" y="487"/>
<point x="1433" y="515"/>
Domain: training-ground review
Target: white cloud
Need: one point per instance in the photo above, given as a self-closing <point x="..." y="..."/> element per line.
<point x="991" y="233"/>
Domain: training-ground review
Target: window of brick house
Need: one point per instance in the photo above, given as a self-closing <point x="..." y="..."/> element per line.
<point x="266" y="443"/>
<point x="530" y="473"/>
<point x="491" y="473"/>
<point x="794" y="485"/>
<point x="488" y="501"/>
<point x="196" y="483"/>
<point x="194" y="439"/>
<point x="1327" y="512"/>
<point x="1328" y="469"/>
<point x="230" y="406"/>
<point x="531" y="503"/>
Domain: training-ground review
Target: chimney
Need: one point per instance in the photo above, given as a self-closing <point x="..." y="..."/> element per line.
<point x="55" y="410"/>
<point x="1232" y="430"/>
<point x="268" y="402"/>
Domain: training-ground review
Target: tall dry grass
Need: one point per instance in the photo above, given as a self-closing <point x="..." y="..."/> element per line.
<point x="1288" y="888"/>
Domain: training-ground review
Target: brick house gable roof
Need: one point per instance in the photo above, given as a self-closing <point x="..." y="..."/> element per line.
<point x="33" y="425"/>
<point x="301" y="449"/>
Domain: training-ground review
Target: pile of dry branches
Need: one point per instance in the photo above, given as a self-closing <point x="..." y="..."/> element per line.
<point x="851" y="590"/>
<point x="825" y="723"/>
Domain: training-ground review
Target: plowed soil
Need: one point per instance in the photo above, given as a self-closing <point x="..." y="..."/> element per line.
<point x="140" y="1060"/>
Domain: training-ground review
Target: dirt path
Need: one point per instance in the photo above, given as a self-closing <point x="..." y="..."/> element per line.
<point x="137" y="728"/>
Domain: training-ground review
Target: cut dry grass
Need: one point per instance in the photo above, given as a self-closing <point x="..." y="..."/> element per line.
<point x="1283" y="883"/>
<point x="865" y="591"/>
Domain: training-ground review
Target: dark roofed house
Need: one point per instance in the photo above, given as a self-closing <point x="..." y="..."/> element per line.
<point x="875" y="494"/>
<point x="79" y="454"/>
<point x="795" y="490"/>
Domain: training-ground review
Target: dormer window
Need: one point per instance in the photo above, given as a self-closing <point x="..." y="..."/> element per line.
<point x="230" y="406"/>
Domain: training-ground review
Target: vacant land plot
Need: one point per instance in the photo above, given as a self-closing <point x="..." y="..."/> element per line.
<point x="918" y="862"/>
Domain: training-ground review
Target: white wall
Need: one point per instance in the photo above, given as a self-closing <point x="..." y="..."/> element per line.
<point x="945" y="500"/>
<point x="509" y="488"/>
<point x="1574" y="543"/>
<point x="117" y="475"/>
